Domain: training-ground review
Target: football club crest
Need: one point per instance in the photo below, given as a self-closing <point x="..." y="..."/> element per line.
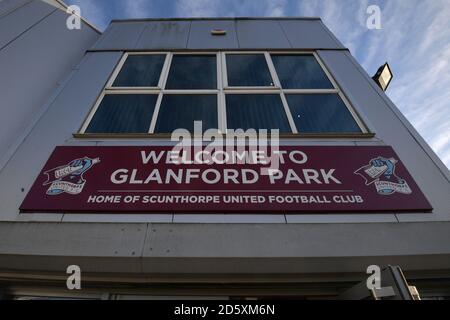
<point x="381" y="173"/>
<point x="69" y="178"/>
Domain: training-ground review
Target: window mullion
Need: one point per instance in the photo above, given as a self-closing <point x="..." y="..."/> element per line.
<point x="273" y="72"/>
<point x="191" y="91"/>
<point x="162" y="85"/>
<point x="164" y="71"/>
<point x="224" y="70"/>
<point x="222" y="114"/>
<point x="310" y="91"/>
<point x="288" y="113"/>
<point x="277" y="82"/>
<point x="155" y="113"/>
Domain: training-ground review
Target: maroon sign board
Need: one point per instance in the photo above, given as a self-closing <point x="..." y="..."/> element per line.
<point x="148" y="179"/>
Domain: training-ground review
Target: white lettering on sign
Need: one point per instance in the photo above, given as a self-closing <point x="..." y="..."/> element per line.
<point x="66" y="171"/>
<point x="222" y="176"/>
<point x="220" y="157"/>
<point x="226" y="176"/>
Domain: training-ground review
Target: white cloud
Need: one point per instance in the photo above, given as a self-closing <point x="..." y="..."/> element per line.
<point x="197" y="8"/>
<point x="275" y="8"/>
<point x="215" y="8"/>
<point x="135" y="9"/>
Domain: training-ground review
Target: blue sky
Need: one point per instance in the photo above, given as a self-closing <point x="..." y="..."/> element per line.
<point x="414" y="39"/>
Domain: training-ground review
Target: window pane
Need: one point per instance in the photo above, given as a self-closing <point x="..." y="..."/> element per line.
<point x="123" y="113"/>
<point x="316" y="113"/>
<point x="256" y="111"/>
<point x="180" y="112"/>
<point x="248" y="70"/>
<point x="300" y="72"/>
<point x="192" y="72"/>
<point x="140" y="71"/>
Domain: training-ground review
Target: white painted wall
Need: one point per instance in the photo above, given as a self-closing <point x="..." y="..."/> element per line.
<point x="37" y="52"/>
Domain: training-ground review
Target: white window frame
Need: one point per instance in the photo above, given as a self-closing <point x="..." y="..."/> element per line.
<point x="222" y="88"/>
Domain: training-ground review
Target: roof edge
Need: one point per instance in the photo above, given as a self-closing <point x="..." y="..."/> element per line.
<point x="214" y="18"/>
<point x="90" y="24"/>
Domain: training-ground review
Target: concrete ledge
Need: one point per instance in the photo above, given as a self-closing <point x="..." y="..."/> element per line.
<point x="126" y="267"/>
<point x="223" y="248"/>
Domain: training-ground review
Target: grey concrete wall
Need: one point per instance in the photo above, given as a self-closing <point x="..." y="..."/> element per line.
<point x="223" y="248"/>
<point x="37" y="52"/>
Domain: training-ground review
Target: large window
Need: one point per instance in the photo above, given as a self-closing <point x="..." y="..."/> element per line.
<point x="157" y="93"/>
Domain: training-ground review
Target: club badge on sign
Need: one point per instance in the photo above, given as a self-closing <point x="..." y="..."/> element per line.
<point x="381" y="172"/>
<point x="69" y="178"/>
